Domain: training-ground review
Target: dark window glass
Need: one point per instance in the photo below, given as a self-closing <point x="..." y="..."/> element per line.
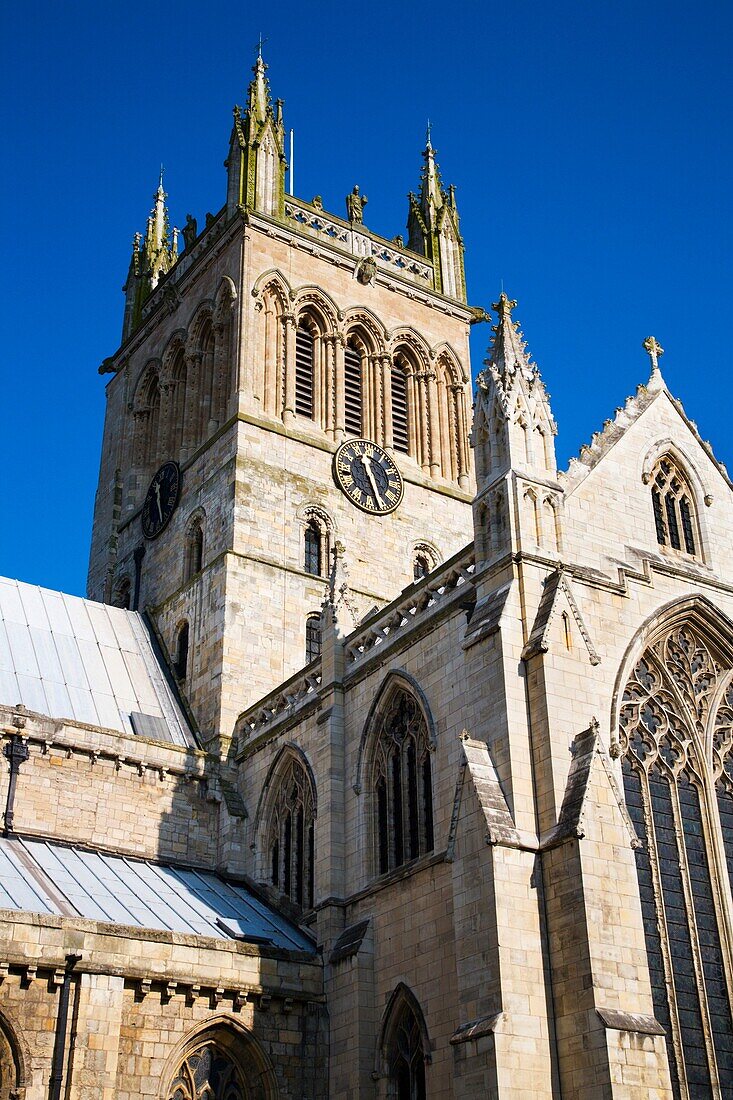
<point x="674" y="533"/>
<point x="405" y="1056"/>
<point x="292" y="835"/>
<point x="312" y="638"/>
<point x="182" y="652"/>
<point x="659" y="518"/>
<point x="304" y="345"/>
<point x="674" y="517"/>
<point x="352" y="391"/>
<point x="420" y="567"/>
<point x="313" y="557"/>
<point x="402" y="785"/>
<point x="686" y="516"/>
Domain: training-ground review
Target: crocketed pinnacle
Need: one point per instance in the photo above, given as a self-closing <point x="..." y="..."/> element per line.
<point x="431" y="197"/>
<point x="259" y="103"/>
<point x="508" y="350"/>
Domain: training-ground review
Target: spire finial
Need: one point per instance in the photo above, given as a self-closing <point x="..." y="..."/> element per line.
<point x="505" y="305"/>
<point x="428" y="136"/>
<point x="160" y="179"/>
<point x="260" y="43"/>
<point x="654" y="350"/>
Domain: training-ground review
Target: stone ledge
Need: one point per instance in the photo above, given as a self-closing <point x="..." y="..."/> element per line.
<point x="614" y="1020"/>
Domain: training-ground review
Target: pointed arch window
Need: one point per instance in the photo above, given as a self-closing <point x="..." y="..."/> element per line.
<point x="312" y="638"/>
<point x="181" y="665"/>
<point x="405" y="1048"/>
<point x="674" y="512"/>
<point x="402" y="784"/>
<point x="291" y="835"/>
<point x="353" y="390"/>
<point x="313" y="554"/>
<point x="208" y="1073"/>
<point x="304" y="367"/>
<point x="666" y="719"/>
<point x="400" y="409"/>
<point x="194" y="554"/>
<point x="420" y="566"/>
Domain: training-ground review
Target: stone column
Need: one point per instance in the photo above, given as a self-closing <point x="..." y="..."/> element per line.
<point x="422" y="388"/>
<point x="388" y="440"/>
<point x="461" y="434"/>
<point x="434" y="421"/>
<point x="289" y="396"/>
<point x="191" y="426"/>
<point x="328" y="364"/>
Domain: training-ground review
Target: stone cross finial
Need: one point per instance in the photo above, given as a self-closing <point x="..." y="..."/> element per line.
<point x="653" y="350"/>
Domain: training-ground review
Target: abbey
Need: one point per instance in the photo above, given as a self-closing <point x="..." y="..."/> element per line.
<point x="384" y="759"/>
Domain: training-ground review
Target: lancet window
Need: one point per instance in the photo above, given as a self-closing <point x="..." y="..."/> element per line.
<point x="316" y="543"/>
<point x="304" y="364"/>
<point x="181" y="666"/>
<point x="292" y="835"/>
<point x="402" y="784"/>
<point x="312" y="638"/>
<point x="353" y="401"/>
<point x="681" y="805"/>
<point x="674" y="511"/>
<point x="194" y="552"/>
<point x="208" y="1073"/>
<point x="400" y="409"/>
<point x="405" y="1050"/>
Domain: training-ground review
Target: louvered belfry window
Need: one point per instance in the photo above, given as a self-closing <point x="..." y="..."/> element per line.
<point x="403" y="785"/>
<point x="400" y="416"/>
<point x="352" y="391"/>
<point x="669" y="720"/>
<point x="674" y="516"/>
<point x="304" y="358"/>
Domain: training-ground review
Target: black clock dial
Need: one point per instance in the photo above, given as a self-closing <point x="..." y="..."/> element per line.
<point x="368" y="476"/>
<point x="161" y="500"/>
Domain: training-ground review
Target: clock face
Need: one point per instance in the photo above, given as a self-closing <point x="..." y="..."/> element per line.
<point x="161" y="500"/>
<point x="368" y="476"/>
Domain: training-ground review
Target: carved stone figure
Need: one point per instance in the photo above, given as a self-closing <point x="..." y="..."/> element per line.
<point x="355" y="203"/>
<point x="317" y="201"/>
<point x="366" y="270"/>
<point x="190" y="232"/>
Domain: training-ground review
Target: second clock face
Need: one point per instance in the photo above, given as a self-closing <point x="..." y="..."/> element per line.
<point x="161" y="500"/>
<point x="368" y="476"/>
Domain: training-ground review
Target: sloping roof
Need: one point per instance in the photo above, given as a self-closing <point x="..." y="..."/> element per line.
<point x="39" y="876"/>
<point x="66" y="657"/>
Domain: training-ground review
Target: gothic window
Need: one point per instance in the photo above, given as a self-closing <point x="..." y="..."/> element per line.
<point x="666" y="719"/>
<point x="291" y="835"/>
<point x="181" y="665"/>
<point x="352" y="390"/>
<point x="402" y="784"/>
<point x="179" y="375"/>
<point x="208" y="1074"/>
<point x="304" y="362"/>
<point x="312" y="638"/>
<point x="313" y="555"/>
<point x="404" y="1047"/>
<point x="207" y="384"/>
<point x="400" y="409"/>
<point x="194" y="555"/>
<point x="674" y="512"/>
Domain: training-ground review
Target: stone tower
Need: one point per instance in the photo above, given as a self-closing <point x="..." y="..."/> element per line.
<point x="280" y="332"/>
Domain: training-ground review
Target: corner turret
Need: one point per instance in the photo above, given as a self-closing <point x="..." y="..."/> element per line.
<point x="256" y="162"/>
<point x="519" y="501"/>
<point x="152" y="257"/>
<point x="432" y="227"/>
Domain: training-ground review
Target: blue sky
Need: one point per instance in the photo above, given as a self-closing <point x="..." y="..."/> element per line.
<point x="590" y="144"/>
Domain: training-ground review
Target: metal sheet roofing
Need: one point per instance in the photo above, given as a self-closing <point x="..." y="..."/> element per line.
<point x="39" y="876"/>
<point x="70" y="658"/>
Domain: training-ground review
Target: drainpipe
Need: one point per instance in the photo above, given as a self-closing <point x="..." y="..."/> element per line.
<point x="16" y="752"/>
<point x="57" y="1071"/>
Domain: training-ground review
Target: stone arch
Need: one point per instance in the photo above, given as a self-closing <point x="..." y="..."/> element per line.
<point x="427" y="550"/>
<point x="417" y="347"/>
<point x="402" y="1008"/>
<point x="314" y="300"/>
<point x="194" y="543"/>
<point x="175" y="381"/>
<point x="225" y="366"/>
<point x="366" y="326"/>
<point x="315" y="516"/>
<point x="698" y="483"/>
<point x="394" y="680"/>
<point x="688" y="476"/>
<point x="238" y="1044"/>
<point x="273" y="282"/>
<point x="14" y="1061"/>
<point x="446" y="352"/>
<point x="146" y="411"/>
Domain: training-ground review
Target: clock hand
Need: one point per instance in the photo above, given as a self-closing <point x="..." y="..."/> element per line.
<point x="367" y="464"/>
<point x="157" y="500"/>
